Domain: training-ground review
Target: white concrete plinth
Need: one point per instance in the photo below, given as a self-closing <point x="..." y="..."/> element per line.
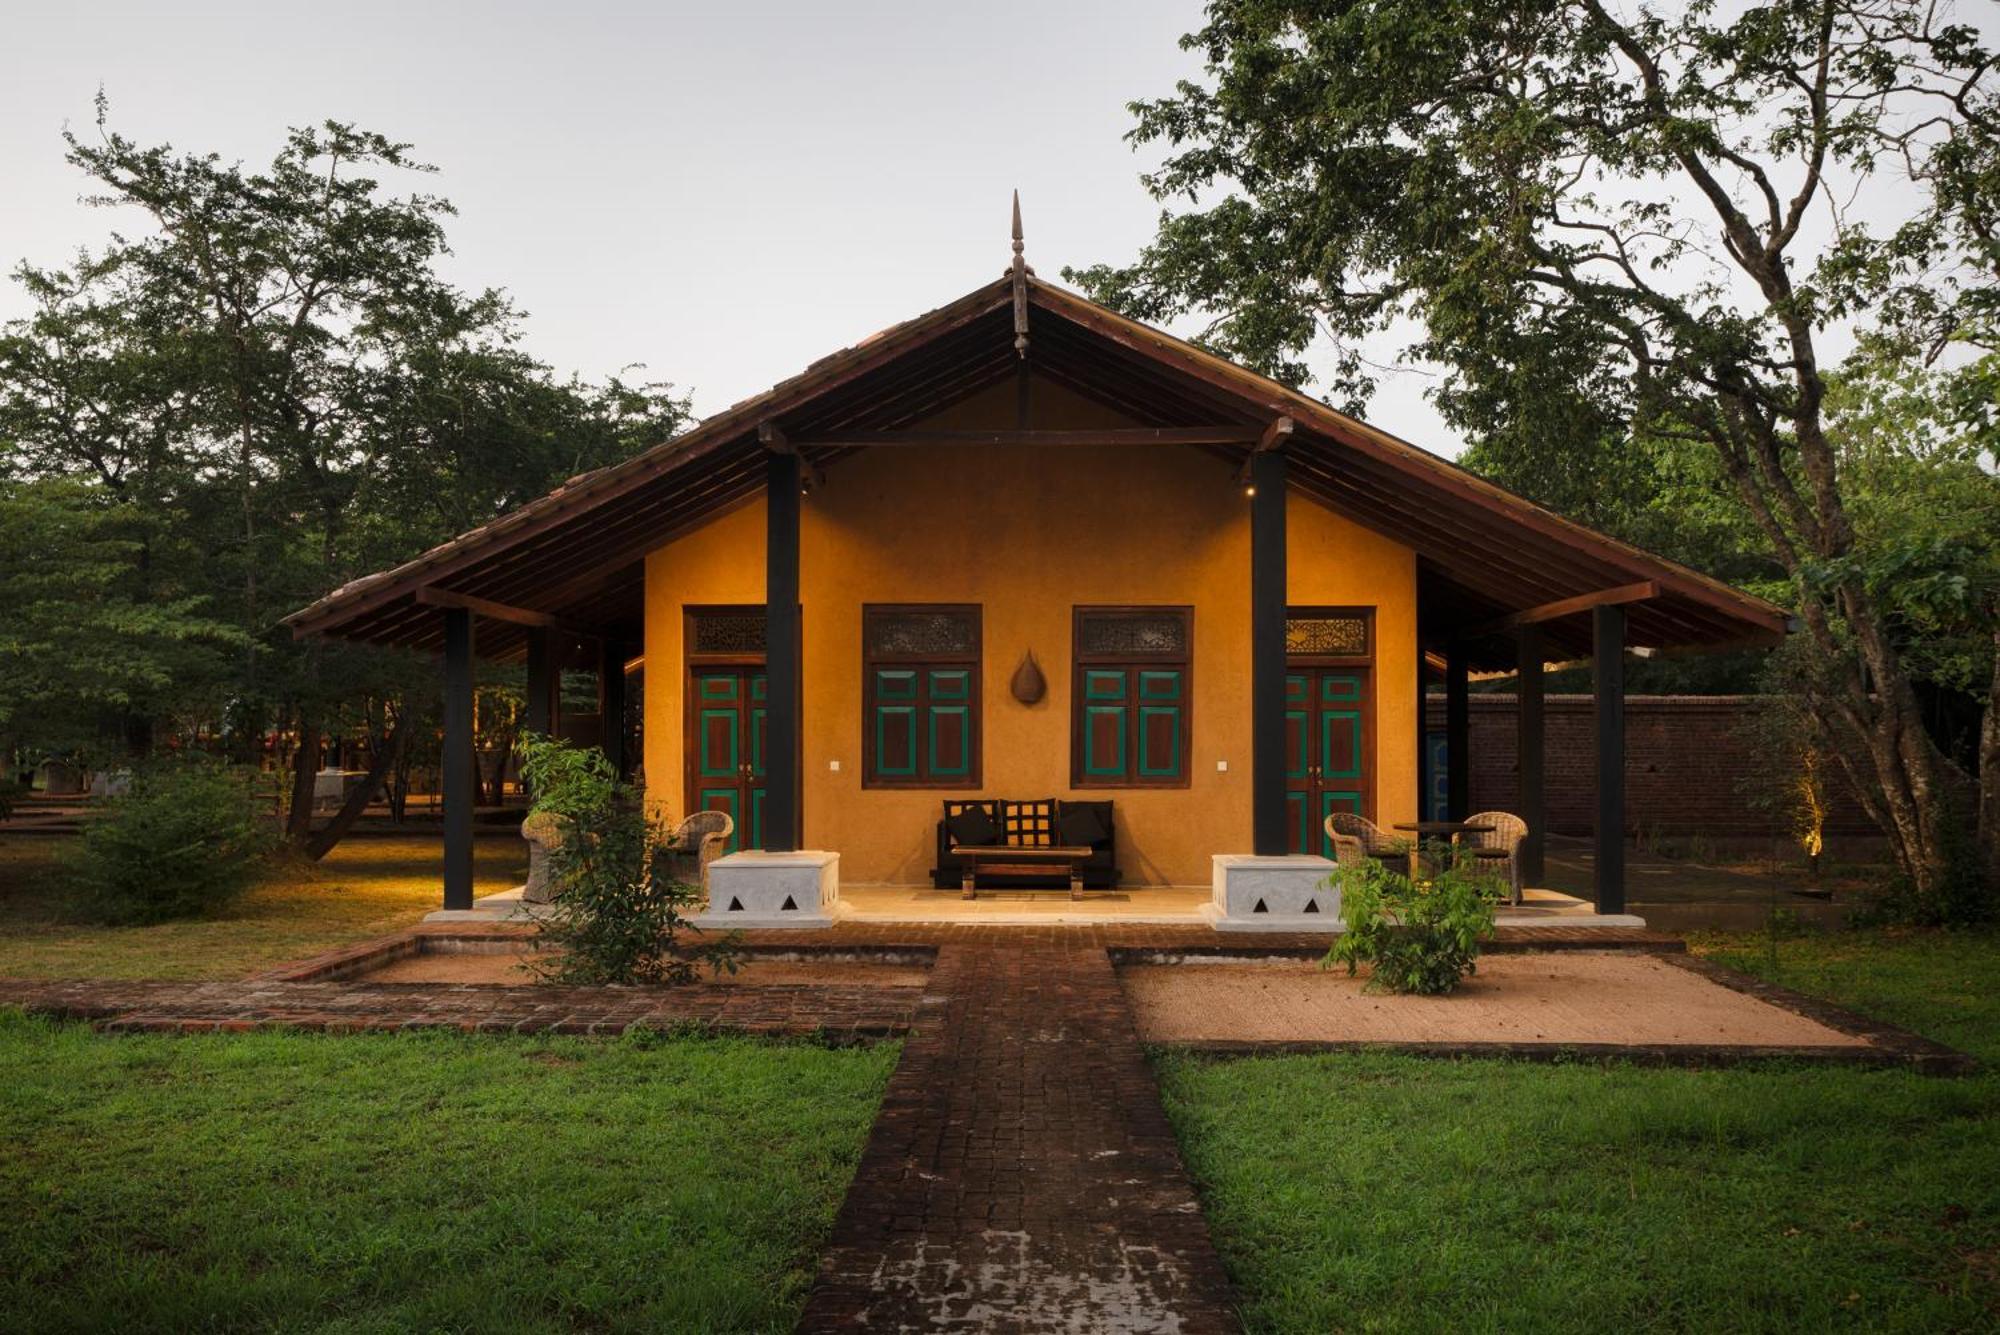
<point x="759" y="889"/>
<point x="1273" y="894"/>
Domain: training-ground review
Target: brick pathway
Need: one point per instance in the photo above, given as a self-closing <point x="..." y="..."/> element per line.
<point x="1021" y="1175"/>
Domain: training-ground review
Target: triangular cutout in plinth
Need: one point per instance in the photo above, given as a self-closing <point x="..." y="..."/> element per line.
<point x="735" y="905"/>
<point x="1260" y="908"/>
<point x="788" y="906"/>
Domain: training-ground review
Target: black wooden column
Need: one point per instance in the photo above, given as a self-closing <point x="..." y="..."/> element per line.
<point x="1267" y="654"/>
<point x="541" y="667"/>
<point x="457" y="766"/>
<point x="781" y="653"/>
<point x="1528" y="751"/>
<point x="611" y="703"/>
<point x="1423" y="741"/>
<point x="1457" y="734"/>
<point x="1608" y="627"/>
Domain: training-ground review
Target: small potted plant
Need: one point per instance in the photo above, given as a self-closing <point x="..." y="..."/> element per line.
<point x="1420" y="936"/>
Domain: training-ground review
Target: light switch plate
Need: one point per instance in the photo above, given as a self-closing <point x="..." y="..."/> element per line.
<point x="833" y="765"/>
<point x="1221" y="767"/>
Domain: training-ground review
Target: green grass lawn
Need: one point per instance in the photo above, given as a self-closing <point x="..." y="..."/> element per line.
<point x="283" y="1181"/>
<point x="1385" y="1193"/>
<point x="364" y="888"/>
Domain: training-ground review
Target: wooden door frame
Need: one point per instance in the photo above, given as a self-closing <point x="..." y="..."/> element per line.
<point x="690" y="662"/>
<point x="1364" y="661"/>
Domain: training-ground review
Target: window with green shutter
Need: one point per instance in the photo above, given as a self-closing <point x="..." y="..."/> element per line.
<point x="920" y="696"/>
<point x="1131" y="698"/>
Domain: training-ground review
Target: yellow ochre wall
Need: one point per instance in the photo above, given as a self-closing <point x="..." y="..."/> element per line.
<point x="1028" y="533"/>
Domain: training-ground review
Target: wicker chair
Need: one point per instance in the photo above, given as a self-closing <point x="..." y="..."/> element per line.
<point x="1347" y="848"/>
<point x="1375" y="841"/>
<point x="1505" y="833"/>
<point x="698" y="841"/>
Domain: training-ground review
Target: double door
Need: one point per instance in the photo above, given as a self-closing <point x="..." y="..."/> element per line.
<point x="726" y="746"/>
<point x="1327" y="751"/>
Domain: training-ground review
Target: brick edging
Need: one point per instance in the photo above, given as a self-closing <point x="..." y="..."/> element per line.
<point x="1904" y="1047"/>
<point x="1886" y="1045"/>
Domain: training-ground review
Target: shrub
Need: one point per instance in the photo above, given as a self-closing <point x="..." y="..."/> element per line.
<point x="186" y="840"/>
<point x="619" y="903"/>
<point x="1421" y="937"/>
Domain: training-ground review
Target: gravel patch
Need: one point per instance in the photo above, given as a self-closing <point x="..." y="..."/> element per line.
<point x="1568" y="997"/>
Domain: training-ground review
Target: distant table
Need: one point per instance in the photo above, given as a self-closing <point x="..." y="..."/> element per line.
<point x="1013" y="860"/>
<point x="1430" y="829"/>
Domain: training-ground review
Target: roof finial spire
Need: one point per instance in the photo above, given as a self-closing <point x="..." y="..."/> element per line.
<point x="1019" y="270"/>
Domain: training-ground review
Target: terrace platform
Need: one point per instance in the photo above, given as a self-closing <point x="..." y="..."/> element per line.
<point x="1176" y="905"/>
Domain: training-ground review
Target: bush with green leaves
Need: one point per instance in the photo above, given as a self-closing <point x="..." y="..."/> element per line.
<point x="186" y="840"/>
<point x="1421" y="936"/>
<point x="619" y="903"/>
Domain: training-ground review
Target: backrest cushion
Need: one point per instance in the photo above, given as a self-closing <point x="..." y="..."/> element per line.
<point x="1083" y="823"/>
<point x="1029" y="824"/>
<point x="974" y="823"/>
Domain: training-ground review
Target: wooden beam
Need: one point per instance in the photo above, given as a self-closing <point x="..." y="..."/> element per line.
<point x="1530" y="753"/>
<point x="432" y="596"/>
<point x="781" y="657"/>
<point x="1268" y="586"/>
<point x="1583" y="602"/>
<point x="1275" y="435"/>
<point x="1272" y="437"/>
<point x="1150" y="435"/>
<point x="1608" y="686"/>
<point x="457" y="766"/>
<point x="1457" y="735"/>
<point x="775" y="440"/>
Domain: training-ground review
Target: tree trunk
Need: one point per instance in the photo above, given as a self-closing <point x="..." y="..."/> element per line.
<point x="305" y="769"/>
<point x="321" y="842"/>
<point x="1989" y="775"/>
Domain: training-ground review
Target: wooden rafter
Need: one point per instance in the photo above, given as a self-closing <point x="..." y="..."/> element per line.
<point x="1147" y="435"/>
<point x="1584" y="602"/>
<point x="486" y="607"/>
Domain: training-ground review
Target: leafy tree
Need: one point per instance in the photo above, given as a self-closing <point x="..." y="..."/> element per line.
<point x="271" y="370"/>
<point x="87" y="634"/>
<point x="1611" y="225"/>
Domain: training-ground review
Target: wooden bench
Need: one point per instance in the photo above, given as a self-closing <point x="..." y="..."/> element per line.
<point x="1022" y="860"/>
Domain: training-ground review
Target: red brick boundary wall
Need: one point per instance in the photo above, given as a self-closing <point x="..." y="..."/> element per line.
<point x="1689" y="761"/>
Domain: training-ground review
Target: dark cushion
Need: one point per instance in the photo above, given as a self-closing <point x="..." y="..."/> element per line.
<point x="974" y="826"/>
<point x="1079" y="825"/>
<point x="1103" y="813"/>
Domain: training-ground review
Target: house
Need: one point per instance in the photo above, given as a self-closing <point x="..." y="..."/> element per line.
<point x="1233" y="594"/>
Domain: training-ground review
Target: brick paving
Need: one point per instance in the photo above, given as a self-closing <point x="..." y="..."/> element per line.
<point x="1021" y="1175"/>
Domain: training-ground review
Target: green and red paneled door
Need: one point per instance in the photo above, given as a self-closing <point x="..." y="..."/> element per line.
<point x="1327" y="751"/>
<point x="728" y="745"/>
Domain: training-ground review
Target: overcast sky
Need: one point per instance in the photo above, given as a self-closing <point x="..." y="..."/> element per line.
<point x="722" y="192"/>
